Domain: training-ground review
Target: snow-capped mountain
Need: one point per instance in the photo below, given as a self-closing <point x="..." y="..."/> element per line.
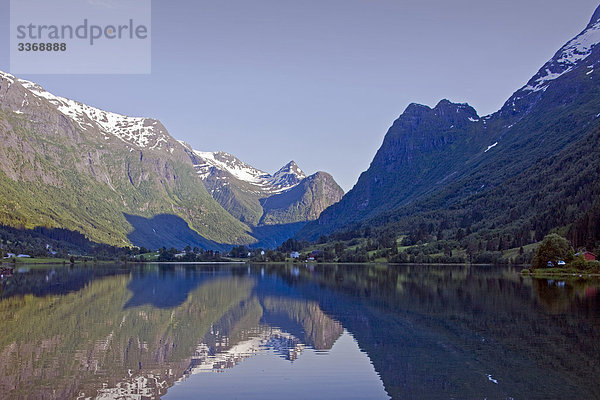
<point x="227" y="162"/>
<point x="258" y="198"/>
<point x="287" y="177"/>
<point x="208" y="164"/>
<point x="569" y="57"/>
<point x="116" y="179"/>
<point x="143" y="133"/>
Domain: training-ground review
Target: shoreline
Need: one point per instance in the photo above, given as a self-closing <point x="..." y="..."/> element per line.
<point x="33" y="262"/>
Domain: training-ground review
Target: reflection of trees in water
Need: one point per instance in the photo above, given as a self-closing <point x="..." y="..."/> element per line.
<point x="567" y="294"/>
<point x="58" y="280"/>
<point x="438" y="331"/>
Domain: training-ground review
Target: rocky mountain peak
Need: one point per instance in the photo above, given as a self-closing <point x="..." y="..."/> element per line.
<point x="288" y="176"/>
<point x="434" y="157"/>
<point x="290" y="168"/>
<point x="416" y="109"/>
<point x="453" y="112"/>
<point x="212" y="165"/>
<point x="445" y="116"/>
<point x="277" y="204"/>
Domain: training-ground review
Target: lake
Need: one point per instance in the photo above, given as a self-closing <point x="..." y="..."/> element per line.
<point x="226" y="331"/>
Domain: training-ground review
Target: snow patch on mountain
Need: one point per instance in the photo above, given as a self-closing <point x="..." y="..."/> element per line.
<point x="491" y="147"/>
<point x="139" y="131"/>
<point x="287" y="177"/>
<point x="227" y="162"/>
<point x="7" y="77"/>
<point x="566" y="58"/>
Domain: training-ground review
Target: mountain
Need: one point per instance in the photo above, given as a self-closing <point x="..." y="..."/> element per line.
<point x="114" y="178"/>
<point x="511" y="176"/>
<point x="125" y="180"/>
<point x="423" y="149"/>
<point x="209" y="164"/>
<point x="303" y="202"/>
<point x="257" y="198"/>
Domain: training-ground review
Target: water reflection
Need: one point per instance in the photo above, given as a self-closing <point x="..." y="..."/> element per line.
<point x="417" y="331"/>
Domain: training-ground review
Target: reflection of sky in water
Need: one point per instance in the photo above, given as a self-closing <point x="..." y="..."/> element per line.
<point x="342" y="372"/>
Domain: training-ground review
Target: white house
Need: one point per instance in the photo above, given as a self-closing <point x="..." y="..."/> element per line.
<point x="294" y="254"/>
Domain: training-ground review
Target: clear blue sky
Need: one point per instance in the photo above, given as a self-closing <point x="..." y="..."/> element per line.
<point x="321" y="81"/>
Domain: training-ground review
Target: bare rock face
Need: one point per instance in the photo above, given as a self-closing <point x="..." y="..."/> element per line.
<point x="304" y="202"/>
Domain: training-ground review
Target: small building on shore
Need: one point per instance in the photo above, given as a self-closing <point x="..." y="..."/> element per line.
<point x="589" y="256"/>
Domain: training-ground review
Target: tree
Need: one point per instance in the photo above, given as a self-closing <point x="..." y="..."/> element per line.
<point x="239" y="252"/>
<point x="553" y="248"/>
<point x="339" y="248"/>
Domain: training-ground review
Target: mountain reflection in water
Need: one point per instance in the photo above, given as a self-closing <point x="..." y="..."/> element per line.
<point x="323" y="331"/>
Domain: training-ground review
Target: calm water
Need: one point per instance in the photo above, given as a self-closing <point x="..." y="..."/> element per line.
<point x="296" y="332"/>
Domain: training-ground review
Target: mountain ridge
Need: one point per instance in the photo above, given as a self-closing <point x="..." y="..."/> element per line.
<point x="258" y="198"/>
<point x="557" y="107"/>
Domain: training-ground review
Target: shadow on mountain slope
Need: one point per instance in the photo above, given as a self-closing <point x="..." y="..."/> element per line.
<point x="270" y="236"/>
<point x="168" y="231"/>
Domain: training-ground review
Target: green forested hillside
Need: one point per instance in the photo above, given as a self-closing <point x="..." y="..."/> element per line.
<point x="516" y="175"/>
<point x="560" y="193"/>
